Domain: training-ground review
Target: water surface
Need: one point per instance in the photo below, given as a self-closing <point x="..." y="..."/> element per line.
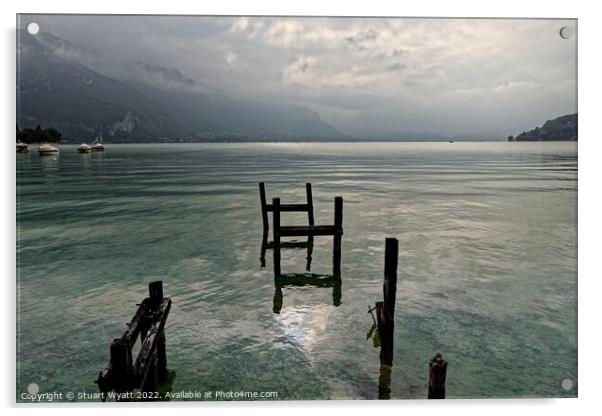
<point x="487" y="265"/>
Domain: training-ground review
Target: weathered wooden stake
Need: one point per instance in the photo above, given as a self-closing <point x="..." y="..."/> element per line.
<point x="390" y="283"/>
<point x="155" y="293"/>
<point x="385" y="311"/>
<point x="122" y="365"/>
<point x="264" y="209"/>
<point x="385" y="333"/>
<point x="276" y="225"/>
<point x="338" y="235"/>
<point x="162" y="357"/>
<point x="122" y="374"/>
<point x="437" y="375"/>
<point x="310" y="204"/>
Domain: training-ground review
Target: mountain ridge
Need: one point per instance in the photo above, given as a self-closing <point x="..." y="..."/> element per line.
<point x="82" y="103"/>
<point x="563" y="128"/>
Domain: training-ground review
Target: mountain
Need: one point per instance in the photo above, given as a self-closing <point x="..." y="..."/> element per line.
<point x="561" y="128"/>
<point x="408" y="136"/>
<point x="218" y="117"/>
<point x="55" y="90"/>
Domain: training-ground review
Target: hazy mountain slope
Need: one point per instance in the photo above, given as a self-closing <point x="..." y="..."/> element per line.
<point x="560" y="128"/>
<point x="60" y="93"/>
<point x="54" y="90"/>
<point x="213" y="116"/>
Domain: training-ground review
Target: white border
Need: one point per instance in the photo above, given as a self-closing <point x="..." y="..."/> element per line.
<point x="589" y="191"/>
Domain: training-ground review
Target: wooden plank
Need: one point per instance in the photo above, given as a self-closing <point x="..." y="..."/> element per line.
<point x="147" y="355"/>
<point x="133" y="327"/>
<point x="289" y="208"/>
<point x="288" y="244"/>
<point x="306" y="230"/>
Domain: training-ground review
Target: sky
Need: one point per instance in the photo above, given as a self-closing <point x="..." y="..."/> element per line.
<point x="364" y="76"/>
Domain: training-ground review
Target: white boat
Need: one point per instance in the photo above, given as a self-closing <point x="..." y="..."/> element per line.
<point x="84" y="148"/>
<point x="46" y="149"/>
<point x="98" y="146"/>
<point x="22" y="147"/>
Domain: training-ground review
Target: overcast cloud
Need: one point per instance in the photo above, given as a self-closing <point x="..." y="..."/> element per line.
<point x="363" y="75"/>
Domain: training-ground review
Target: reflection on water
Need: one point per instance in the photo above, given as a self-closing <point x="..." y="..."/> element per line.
<point x="487" y="265"/>
<point x="49" y="162"/>
<point x="306" y="279"/>
<point x="308" y="245"/>
<point x="384" y="382"/>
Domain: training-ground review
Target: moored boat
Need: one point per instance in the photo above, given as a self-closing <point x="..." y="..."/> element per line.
<point x="84" y="148"/>
<point x="22" y="147"/>
<point x="98" y="147"/>
<point x="46" y="149"/>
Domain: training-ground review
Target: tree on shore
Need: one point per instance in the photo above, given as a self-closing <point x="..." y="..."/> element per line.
<point x="39" y="134"/>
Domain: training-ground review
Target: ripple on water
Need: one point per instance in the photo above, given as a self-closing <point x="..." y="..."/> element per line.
<point x="487" y="265"/>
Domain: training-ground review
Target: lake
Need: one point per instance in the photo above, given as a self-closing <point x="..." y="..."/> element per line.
<point x="487" y="265"/>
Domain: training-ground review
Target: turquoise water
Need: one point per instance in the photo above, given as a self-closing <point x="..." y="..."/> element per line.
<point x="487" y="265"/>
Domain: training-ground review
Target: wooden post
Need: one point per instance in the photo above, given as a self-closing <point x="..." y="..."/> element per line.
<point x="162" y="357"/>
<point x="385" y="333"/>
<point x="122" y="374"/>
<point x="264" y="209"/>
<point x="155" y="292"/>
<point x="276" y="225"/>
<point x="385" y="311"/>
<point x="437" y="375"/>
<point x="121" y="365"/>
<point x="390" y="283"/>
<point x="338" y="235"/>
<point x="310" y="204"/>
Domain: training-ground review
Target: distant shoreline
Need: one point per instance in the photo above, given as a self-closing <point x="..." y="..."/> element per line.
<point x="318" y="141"/>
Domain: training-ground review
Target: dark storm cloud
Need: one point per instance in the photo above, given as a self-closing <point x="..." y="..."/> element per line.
<point x="166" y="74"/>
<point x="360" y="40"/>
<point x="395" y="67"/>
<point x="360" y="74"/>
